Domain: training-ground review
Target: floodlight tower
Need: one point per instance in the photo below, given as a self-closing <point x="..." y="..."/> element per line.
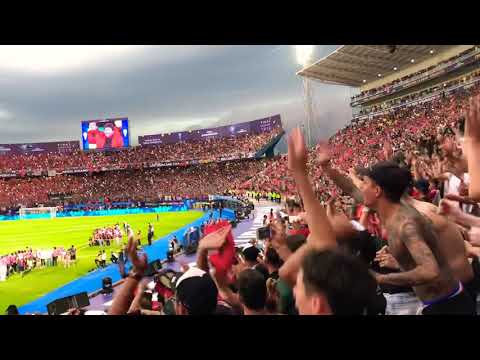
<point x="304" y="54"/>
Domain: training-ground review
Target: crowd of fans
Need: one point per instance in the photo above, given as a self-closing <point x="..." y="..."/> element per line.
<point x="23" y="261"/>
<point x="420" y="75"/>
<point x="241" y="146"/>
<point x="398" y="253"/>
<point x="437" y="90"/>
<point x="381" y="219"/>
<point x="130" y="185"/>
<point x="409" y="130"/>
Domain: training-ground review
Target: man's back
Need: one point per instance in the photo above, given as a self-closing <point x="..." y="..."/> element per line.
<point x="450" y="241"/>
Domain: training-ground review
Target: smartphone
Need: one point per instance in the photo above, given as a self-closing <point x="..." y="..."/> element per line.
<point x="264" y="233"/>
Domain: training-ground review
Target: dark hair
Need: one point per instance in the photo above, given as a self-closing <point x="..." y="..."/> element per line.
<point x="252" y="289"/>
<point x="391" y="178"/>
<point x="251" y="253"/>
<point x="272" y="257"/>
<point x="12" y="310"/>
<point x="146" y="301"/>
<point x="262" y="269"/>
<point x="294" y="242"/>
<point x="345" y="281"/>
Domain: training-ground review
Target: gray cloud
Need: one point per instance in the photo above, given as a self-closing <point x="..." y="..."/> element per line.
<point x="167" y="88"/>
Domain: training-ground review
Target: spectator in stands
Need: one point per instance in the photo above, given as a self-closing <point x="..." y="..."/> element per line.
<point x="331" y="283"/>
<point x="12" y="310"/>
<point x="252" y="292"/>
<point x="196" y="293"/>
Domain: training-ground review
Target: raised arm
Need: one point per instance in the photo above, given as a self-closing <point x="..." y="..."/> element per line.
<point x="224" y="290"/>
<point x="472" y="146"/>
<point x="452" y="210"/>
<point x="289" y="270"/>
<point x="135" y="306"/>
<point x="212" y="241"/>
<point x="321" y="235"/>
<point x="279" y="239"/>
<point x="426" y="268"/>
<point x="343" y="182"/>
<point x="321" y="231"/>
<point x="123" y="299"/>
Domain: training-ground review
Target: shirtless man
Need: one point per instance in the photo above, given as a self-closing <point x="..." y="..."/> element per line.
<point x="451" y="241"/>
<point x="411" y="239"/>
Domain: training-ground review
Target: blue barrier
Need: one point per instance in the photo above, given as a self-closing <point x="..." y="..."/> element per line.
<point x="61" y="214"/>
<point x="93" y="281"/>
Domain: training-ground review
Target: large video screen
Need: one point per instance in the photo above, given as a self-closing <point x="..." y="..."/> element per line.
<point x="105" y="134"/>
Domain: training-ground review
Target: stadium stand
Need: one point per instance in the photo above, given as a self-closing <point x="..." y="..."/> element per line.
<point x="411" y="161"/>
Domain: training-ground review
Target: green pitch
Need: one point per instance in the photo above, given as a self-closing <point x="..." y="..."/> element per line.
<point x="38" y="234"/>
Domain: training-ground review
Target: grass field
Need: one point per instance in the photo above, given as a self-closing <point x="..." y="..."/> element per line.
<point x="47" y="233"/>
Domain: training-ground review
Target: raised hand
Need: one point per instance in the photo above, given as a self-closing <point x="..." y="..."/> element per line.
<point x="183" y="266"/>
<point x="472" y="123"/>
<point x="323" y="154"/>
<point x="472" y="251"/>
<point x="331" y="210"/>
<point x="387" y="150"/>
<point x="279" y="237"/>
<point x="450" y="209"/>
<point x="297" y="152"/>
<point x="448" y="146"/>
<point x="474" y="235"/>
<point x="216" y="239"/>
<point x="140" y="264"/>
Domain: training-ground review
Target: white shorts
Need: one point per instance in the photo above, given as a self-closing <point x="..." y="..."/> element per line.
<point x="402" y="304"/>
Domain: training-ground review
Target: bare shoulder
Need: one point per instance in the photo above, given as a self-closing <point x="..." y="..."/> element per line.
<point x="412" y="225"/>
<point x="430" y="211"/>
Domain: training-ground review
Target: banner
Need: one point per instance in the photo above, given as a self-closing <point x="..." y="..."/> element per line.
<point x="37" y="148"/>
<point x="246" y="128"/>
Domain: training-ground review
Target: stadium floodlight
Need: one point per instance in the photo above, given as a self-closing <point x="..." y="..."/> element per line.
<point x="304" y="54"/>
<point x="364" y="81"/>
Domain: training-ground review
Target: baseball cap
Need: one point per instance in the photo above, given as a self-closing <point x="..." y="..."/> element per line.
<point x="393" y="179"/>
<point x="197" y="292"/>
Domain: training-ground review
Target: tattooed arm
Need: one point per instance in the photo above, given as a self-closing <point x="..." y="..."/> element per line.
<point x="343" y="182"/>
<point x="426" y="268"/>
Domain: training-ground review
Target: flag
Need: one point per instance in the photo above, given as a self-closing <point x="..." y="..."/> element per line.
<point x="224" y="259"/>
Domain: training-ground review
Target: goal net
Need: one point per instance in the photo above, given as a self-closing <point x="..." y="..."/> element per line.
<point x="38" y="212"/>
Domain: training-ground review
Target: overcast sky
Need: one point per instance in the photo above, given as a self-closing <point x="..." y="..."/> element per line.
<point x="45" y="91"/>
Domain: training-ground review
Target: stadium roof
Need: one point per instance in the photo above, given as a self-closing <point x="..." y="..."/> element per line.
<point x="352" y="64"/>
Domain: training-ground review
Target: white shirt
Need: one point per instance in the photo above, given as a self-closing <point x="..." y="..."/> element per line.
<point x="452" y="184"/>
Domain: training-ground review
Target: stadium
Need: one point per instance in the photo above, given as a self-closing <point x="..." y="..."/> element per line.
<point x="99" y="226"/>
